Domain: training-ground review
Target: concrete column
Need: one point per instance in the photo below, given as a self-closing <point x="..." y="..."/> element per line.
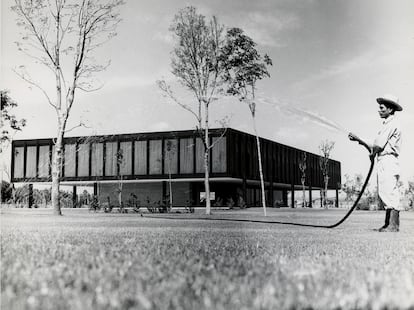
<point x="164" y="191"/>
<point x="337" y="197"/>
<point x="244" y="189"/>
<point x="74" y="197"/>
<point x="284" y="197"/>
<point x="310" y="196"/>
<point x="293" y="195"/>
<point x="30" y="198"/>
<point x="254" y="197"/>
<point x="271" y="203"/>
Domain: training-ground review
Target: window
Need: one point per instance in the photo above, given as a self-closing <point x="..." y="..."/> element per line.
<point x="155" y="156"/>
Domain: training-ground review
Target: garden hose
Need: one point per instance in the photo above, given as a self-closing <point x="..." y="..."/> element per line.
<point x="372" y="159"/>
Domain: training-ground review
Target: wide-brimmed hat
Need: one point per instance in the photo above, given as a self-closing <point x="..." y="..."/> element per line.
<point x="390" y="100"/>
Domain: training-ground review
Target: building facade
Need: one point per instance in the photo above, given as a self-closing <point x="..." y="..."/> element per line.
<point x="144" y="165"/>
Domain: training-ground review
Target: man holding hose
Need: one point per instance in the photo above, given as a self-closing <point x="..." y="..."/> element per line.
<point x="386" y="148"/>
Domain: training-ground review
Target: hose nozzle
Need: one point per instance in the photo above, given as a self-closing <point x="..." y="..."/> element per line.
<point x="354" y="137"/>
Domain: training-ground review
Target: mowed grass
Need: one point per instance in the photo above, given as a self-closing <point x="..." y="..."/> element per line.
<point x="124" y="261"/>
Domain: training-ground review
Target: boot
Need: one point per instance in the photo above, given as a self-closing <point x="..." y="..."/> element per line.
<point x="387" y="220"/>
<point x="394" y="225"/>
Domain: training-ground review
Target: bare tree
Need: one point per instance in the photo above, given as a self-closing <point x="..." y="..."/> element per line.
<point x="62" y="35"/>
<point x="119" y="156"/>
<point x="170" y="151"/>
<point x="302" y="168"/>
<point x="244" y="66"/>
<point x="195" y="63"/>
<point x="325" y="148"/>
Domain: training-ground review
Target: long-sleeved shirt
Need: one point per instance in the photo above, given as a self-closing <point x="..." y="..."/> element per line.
<point x="389" y="137"/>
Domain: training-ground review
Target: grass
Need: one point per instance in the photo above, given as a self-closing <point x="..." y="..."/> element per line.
<point x="102" y="261"/>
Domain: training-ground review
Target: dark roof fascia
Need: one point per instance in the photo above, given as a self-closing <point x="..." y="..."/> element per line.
<point x="120" y="137"/>
<point x="271" y="141"/>
<point x="149" y="136"/>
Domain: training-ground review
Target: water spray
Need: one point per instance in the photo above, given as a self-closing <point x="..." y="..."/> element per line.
<point x="307" y="115"/>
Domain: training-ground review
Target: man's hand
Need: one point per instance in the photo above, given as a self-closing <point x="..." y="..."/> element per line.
<point x="353" y="137"/>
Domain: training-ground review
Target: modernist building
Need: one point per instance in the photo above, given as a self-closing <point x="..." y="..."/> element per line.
<point x="146" y="163"/>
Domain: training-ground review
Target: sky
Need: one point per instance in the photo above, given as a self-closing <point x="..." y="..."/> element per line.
<point x="331" y="60"/>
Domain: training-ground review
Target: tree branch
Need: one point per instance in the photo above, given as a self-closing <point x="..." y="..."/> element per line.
<point x="30" y="81"/>
<point x="168" y="93"/>
<point x="81" y="124"/>
<point x="223" y="133"/>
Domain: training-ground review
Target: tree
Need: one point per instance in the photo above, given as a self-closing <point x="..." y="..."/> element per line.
<point x="348" y="188"/>
<point x="9" y="125"/>
<point x="352" y="187"/>
<point x="195" y="63"/>
<point x="409" y="192"/>
<point x="62" y="36"/>
<point x="243" y="67"/>
<point x="119" y="162"/>
<point x="6" y="191"/>
<point x="170" y="151"/>
<point x="325" y="148"/>
<point x="302" y="168"/>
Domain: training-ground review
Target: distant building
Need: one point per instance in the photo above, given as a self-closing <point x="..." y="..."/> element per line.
<point x="149" y="159"/>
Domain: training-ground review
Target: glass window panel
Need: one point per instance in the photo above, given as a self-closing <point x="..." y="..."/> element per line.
<point x="18" y="162"/>
<point x="70" y="160"/>
<point x="44" y="161"/>
<point x="219" y="154"/>
<point x="125" y="167"/>
<point x="140" y="160"/>
<point x="110" y="158"/>
<point x="83" y="160"/>
<point x="97" y="159"/>
<point x="170" y="156"/>
<point x="187" y="155"/>
<point x="31" y="162"/>
<point x="155" y="147"/>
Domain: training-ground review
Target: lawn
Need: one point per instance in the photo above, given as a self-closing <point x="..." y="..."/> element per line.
<point x="182" y="261"/>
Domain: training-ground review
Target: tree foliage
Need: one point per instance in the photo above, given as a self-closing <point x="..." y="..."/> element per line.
<point x="243" y="66"/>
<point x="6" y="191"/>
<point x="9" y="122"/>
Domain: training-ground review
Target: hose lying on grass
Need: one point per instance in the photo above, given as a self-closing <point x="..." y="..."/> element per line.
<point x="302" y="224"/>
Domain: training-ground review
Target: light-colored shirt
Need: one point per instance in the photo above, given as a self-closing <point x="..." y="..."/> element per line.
<point x="388" y="166"/>
<point x="389" y="137"/>
<point x="389" y="140"/>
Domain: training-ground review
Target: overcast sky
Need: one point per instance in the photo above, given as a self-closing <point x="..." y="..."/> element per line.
<point x="330" y="58"/>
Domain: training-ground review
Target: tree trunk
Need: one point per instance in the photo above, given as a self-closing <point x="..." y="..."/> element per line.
<point x="1" y="186"/>
<point x="170" y="186"/>
<point x="120" y="192"/>
<point x="303" y="194"/>
<point x="56" y="171"/>
<point x="325" y="191"/>
<point x="260" y="166"/>
<point x="57" y="156"/>
<point x="206" y="164"/>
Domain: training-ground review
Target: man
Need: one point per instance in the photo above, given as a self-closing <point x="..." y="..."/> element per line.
<point x="387" y="147"/>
